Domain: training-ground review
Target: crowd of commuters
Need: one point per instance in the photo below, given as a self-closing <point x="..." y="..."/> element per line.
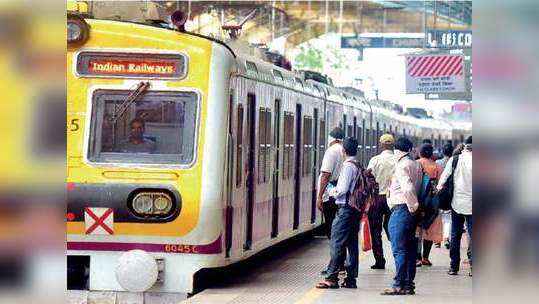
<point x="400" y="171"/>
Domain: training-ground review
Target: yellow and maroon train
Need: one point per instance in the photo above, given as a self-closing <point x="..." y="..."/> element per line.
<point x="184" y="154"/>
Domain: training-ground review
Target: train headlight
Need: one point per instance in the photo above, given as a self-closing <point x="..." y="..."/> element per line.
<point x="143" y="203"/>
<point x="162" y="204"/>
<point x="158" y="204"/>
<point x="78" y="30"/>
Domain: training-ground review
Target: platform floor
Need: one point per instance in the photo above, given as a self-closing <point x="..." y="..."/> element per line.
<point x="289" y="277"/>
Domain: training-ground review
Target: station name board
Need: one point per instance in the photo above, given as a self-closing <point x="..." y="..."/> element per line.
<point x="130" y="65"/>
<point x="449" y="39"/>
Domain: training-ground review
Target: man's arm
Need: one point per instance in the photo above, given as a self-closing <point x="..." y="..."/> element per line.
<point x="445" y="175"/>
<point x="323" y="181"/>
<point x="343" y="183"/>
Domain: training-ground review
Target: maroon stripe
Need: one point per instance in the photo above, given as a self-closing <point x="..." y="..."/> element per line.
<point x="442" y="67"/>
<point x="211" y="248"/>
<point x="434" y="66"/>
<point x="448" y="65"/>
<point x="425" y="66"/>
<point x="457" y="66"/>
<point x="418" y="65"/>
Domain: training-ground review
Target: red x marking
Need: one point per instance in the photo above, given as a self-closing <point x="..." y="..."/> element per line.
<point x="99" y="221"/>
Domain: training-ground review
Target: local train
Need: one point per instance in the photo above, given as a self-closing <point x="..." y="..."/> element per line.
<point x="183" y="150"/>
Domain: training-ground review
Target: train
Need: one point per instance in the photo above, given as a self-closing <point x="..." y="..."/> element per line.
<point x="184" y="154"/>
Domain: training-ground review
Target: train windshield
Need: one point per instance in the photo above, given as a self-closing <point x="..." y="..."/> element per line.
<point x="158" y="128"/>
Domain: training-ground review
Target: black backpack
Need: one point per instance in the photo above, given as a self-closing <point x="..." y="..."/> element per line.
<point x="445" y="195"/>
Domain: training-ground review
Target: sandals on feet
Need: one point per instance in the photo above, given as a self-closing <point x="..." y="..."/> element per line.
<point x="393" y="292"/>
<point x="349" y="284"/>
<point x="327" y="285"/>
<point x="426" y="262"/>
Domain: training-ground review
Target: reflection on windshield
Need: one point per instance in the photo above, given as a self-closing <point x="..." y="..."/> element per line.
<point x="159" y="128"/>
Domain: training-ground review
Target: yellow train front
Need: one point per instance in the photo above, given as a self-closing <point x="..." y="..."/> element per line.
<point x="147" y="133"/>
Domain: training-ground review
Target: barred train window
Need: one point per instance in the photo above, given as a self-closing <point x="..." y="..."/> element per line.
<point x="159" y="128"/>
<point x="307" y="144"/>
<point x="288" y="145"/>
<point x="264" y="145"/>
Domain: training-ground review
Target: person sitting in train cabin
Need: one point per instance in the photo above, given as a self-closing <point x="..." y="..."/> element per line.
<point x="137" y="143"/>
<point x="382" y="166"/>
<point x="430" y="226"/>
<point x="345" y="227"/>
<point x="403" y="202"/>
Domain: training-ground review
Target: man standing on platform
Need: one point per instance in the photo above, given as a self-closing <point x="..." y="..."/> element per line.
<point x="345" y="227"/>
<point x="382" y="166"/>
<point x="329" y="173"/>
<point x="402" y="201"/>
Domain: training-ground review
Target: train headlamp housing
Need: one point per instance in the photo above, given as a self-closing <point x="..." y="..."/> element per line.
<point x="78" y="31"/>
<point x="155" y="204"/>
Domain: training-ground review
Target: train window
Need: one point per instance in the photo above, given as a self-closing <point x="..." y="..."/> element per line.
<point x="251" y="66"/>
<point x="355" y="128"/>
<point x="239" y="147"/>
<point x="377" y="138"/>
<point x="307" y="144"/>
<point x="350" y="131"/>
<point x="157" y="129"/>
<point x="288" y="145"/>
<point x="278" y="75"/>
<point x="261" y="165"/>
<point x="373" y="142"/>
<point x="269" y="136"/>
<point x="344" y="125"/>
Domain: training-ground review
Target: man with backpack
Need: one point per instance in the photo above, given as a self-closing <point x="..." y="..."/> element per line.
<point x="461" y="203"/>
<point x="403" y="202"/>
<point x="345" y="227"/>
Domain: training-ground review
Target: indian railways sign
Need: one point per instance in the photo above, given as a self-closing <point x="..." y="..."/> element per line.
<point x="449" y="39"/>
<point x="434" y="74"/>
<point x="131" y="65"/>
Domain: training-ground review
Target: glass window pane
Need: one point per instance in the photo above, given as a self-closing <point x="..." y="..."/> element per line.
<point x="158" y="128"/>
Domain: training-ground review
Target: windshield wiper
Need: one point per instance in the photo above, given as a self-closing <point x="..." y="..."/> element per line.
<point x="141" y="89"/>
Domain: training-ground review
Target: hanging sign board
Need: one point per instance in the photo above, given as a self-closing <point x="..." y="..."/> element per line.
<point x="434" y="74"/>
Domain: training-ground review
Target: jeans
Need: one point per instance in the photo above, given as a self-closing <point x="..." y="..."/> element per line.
<point x="378" y="219"/>
<point x="402" y="225"/>
<point x="344" y="236"/>
<point x="457" y="224"/>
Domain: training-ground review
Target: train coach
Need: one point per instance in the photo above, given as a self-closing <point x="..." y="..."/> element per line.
<point x="184" y="154"/>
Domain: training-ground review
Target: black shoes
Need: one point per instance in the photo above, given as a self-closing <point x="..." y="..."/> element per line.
<point x="349" y="284"/>
<point x="378" y="266"/>
<point x="452" y="272"/>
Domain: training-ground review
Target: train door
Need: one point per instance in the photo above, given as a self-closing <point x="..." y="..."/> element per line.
<point x="297" y="167"/>
<point x="276" y="175"/>
<point x="230" y="175"/>
<point x="313" y="165"/>
<point x="250" y="176"/>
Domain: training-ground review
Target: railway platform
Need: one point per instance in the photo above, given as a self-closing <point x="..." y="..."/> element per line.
<point x="289" y="276"/>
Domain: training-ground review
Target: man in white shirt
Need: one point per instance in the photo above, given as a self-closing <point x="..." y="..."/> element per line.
<point x="461" y="204"/>
<point x="382" y="166"/>
<point x="329" y="173"/>
<point x="402" y="200"/>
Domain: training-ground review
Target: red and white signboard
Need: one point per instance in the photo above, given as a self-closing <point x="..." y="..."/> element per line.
<point x="99" y="221"/>
<point x="434" y="74"/>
